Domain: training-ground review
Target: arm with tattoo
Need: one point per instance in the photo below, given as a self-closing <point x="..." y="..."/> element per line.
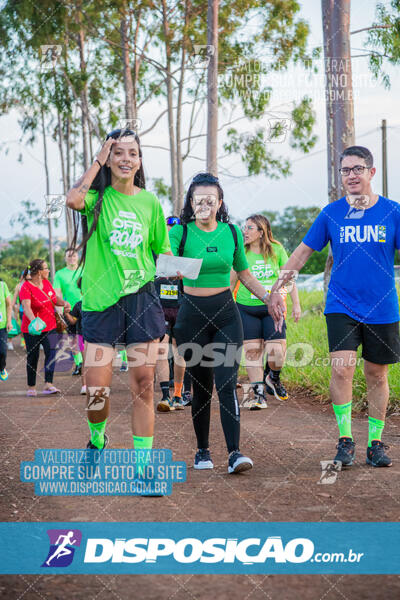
<point x="76" y="195"/>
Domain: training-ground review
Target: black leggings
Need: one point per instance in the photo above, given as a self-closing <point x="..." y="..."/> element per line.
<point x="48" y="339"/>
<point x="212" y="320"/>
<point x="3" y="348"/>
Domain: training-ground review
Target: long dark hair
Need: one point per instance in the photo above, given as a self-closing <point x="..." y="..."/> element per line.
<point x="187" y="214"/>
<point x="100" y="182"/>
<point x="34" y="267"/>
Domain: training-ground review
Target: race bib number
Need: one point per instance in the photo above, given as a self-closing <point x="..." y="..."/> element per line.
<point x="169" y="292"/>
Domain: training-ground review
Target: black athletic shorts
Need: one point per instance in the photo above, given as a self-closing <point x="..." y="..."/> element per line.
<point x="380" y="342"/>
<point x="258" y="324"/>
<point x="170" y="315"/>
<point x="134" y="319"/>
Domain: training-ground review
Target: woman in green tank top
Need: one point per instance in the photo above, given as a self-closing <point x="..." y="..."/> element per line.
<point x="265" y="256"/>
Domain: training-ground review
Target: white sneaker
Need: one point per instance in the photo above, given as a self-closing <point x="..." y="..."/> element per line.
<point x="83" y="390"/>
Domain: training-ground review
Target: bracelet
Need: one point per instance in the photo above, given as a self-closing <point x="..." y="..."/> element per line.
<point x="265" y="295"/>
<point x="98" y="162"/>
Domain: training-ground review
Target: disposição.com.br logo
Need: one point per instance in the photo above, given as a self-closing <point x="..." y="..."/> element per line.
<point x="62" y="547"/>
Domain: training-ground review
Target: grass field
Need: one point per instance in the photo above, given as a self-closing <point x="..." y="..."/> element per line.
<point x="307" y="363"/>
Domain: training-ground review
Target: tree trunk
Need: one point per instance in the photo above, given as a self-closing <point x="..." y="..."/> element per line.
<point x="46" y="170"/>
<point x="60" y="140"/>
<point x="173" y="162"/>
<point x="84" y="100"/>
<point x="130" y="112"/>
<point x="339" y="96"/>
<point x="179" y="165"/>
<point x="68" y="211"/>
<point x="212" y="87"/>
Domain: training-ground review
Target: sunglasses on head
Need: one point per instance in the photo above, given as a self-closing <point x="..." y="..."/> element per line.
<point x="173" y="221"/>
<point x="120" y="133"/>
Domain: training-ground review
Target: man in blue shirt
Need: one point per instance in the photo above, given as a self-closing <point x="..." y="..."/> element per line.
<point x="363" y="229"/>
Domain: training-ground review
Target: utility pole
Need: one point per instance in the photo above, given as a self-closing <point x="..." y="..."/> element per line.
<point x="339" y="96"/>
<point x="384" y="160"/>
<point x="212" y="87"/>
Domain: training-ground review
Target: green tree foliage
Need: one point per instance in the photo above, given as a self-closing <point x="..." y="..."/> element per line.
<point x="16" y="256"/>
<point x="289" y="228"/>
<point x="384" y="40"/>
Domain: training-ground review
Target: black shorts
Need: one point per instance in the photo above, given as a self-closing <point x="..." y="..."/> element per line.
<point x="170" y="315"/>
<point x="380" y="342"/>
<point x="258" y="324"/>
<point x="134" y="319"/>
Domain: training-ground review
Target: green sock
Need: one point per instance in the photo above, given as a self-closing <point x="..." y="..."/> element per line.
<point x="375" y="428"/>
<point x="97" y="433"/>
<point x="142" y="443"/>
<point x="78" y="359"/>
<point x="124" y="356"/>
<point x="343" y="418"/>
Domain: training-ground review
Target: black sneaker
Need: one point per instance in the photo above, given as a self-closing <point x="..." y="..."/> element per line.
<point x="346" y="450"/>
<point x="277" y="388"/>
<point x="376" y="455"/>
<point x="237" y="462"/>
<point x="187" y="399"/>
<point x="77" y="370"/>
<point x="202" y="460"/>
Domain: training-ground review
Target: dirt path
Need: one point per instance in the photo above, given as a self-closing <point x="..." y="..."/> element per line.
<point x="286" y="442"/>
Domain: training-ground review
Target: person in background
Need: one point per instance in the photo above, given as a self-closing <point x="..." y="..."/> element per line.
<point x="74" y="317"/>
<point x="5" y="326"/>
<point x="65" y="285"/>
<point x="17" y="307"/>
<point x="39" y="323"/>
<point x="265" y="256"/>
<point x="170" y="292"/>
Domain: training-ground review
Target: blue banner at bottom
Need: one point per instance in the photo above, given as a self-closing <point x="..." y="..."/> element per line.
<point x="200" y="548"/>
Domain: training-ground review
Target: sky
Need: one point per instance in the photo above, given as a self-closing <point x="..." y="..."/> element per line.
<point x="306" y="186"/>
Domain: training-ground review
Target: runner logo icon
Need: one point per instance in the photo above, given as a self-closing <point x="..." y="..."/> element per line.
<point x="62" y="547"/>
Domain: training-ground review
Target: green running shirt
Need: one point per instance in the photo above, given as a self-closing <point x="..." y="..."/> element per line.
<point x="66" y="280"/>
<point x="4" y="293"/>
<point x="266" y="271"/>
<point x="119" y="257"/>
<point x="216" y="248"/>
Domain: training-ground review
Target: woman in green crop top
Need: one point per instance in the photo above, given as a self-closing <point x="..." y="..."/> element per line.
<point x="209" y="330"/>
<point x="265" y="256"/>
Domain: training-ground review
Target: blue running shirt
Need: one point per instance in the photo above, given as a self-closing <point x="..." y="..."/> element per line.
<point x="363" y="246"/>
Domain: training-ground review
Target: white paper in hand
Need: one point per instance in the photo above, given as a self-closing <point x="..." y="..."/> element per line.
<point x="168" y="266"/>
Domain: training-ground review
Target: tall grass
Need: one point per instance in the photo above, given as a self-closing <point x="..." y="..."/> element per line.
<point x="307" y="363"/>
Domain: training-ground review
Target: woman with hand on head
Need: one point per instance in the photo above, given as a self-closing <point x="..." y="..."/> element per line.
<point x="122" y="224"/>
<point x="39" y="299"/>
<point x="208" y="317"/>
<point x="265" y="256"/>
